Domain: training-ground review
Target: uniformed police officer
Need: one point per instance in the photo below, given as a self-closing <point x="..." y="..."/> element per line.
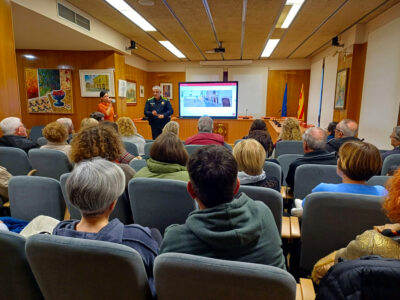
<point x="159" y="111"/>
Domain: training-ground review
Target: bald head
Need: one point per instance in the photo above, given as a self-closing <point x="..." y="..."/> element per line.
<point x="346" y="128"/>
<point x="314" y="139"/>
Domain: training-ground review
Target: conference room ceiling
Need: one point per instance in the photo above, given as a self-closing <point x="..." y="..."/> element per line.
<point x="186" y="24"/>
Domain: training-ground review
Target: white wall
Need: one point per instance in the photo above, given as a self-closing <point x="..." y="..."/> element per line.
<point x="328" y="94"/>
<point x="314" y="92"/>
<point x="204" y="74"/>
<point x="381" y="91"/>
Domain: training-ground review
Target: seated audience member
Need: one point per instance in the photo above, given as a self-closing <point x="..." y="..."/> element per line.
<point x="395" y="142"/>
<point x="290" y="130"/>
<point x="14" y="135"/>
<point x="99" y="141"/>
<point x="345" y="131"/>
<point x="250" y="158"/>
<point x="225" y="227"/>
<point x="331" y="130"/>
<point x="128" y="133"/>
<point x="4" y="179"/>
<point x="67" y="122"/>
<point x="171" y="126"/>
<point x="381" y="240"/>
<point x="168" y="159"/>
<point x="88" y="122"/>
<point x="97" y="116"/>
<point x="56" y="135"/>
<point x="94" y="187"/>
<point x="205" y="135"/>
<point x="314" y="143"/>
<point x="259" y="132"/>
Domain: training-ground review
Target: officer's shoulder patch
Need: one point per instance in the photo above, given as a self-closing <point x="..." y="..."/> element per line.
<point x="165" y="99"/>
<point x="150" y="99"/>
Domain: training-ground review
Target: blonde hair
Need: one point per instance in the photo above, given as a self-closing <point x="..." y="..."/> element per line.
<point x="88" y="122"/>
<point x="290" y="130"/>
<point x="126" y="127"/>
<point x="250" y="156"/>
<point x="171" y="126"/>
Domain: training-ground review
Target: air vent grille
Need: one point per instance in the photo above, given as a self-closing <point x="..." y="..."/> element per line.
<point x="73" y="17"/>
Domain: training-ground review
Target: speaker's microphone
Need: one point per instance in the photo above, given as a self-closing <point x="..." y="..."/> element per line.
<point x="112" y="100"/>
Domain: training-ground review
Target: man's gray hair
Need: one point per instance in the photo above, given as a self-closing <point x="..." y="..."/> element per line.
<point x="94" y="184"/>
<point x="156" y="87"/>
<point x="67" y="122"/>
<point x="205" y="124"/>
<point x="396" y="131"/>
<point x="9" y="125"/>
<point x="348" y="127"/>
<point x="315" y="138"/>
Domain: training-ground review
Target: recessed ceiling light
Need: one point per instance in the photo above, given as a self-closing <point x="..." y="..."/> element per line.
<point x="146" y="2"/>
<point x="296" y="5"/>
<point x="29" y="56"/>
<point x="269" y="48"/>
<point x="172" y="48"/>
<point x="131" y="14"/>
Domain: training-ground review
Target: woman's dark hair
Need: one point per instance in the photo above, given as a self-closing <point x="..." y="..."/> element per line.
<point x="169" y="148"/>
<point x="258" y="124"/>
<point x="263" y="138"/>
<point x="331" y="128"/>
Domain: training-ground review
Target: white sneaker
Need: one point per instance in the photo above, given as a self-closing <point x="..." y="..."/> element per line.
<point x="297" y="212"/>
<point x="298" y="203"/>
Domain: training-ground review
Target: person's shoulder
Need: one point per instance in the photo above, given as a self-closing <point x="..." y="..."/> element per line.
<point x="165" y="99"/>
<point x="149" y="99"/>
<point x="326" y="187"/>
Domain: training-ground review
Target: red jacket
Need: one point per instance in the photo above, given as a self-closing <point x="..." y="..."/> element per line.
<point x="205" y="138"/>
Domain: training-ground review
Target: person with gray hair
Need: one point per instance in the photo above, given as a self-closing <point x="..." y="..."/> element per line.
<point x="314" y="143"/>
<point x="395" y="142"/>
<point x="345" y="131"/>
<point x="158" y="111"/>
<point x="205" y="135"/>
<point x="94" y="187"/>
<point x="14" y="135"/>
<point x="67" y="122"/>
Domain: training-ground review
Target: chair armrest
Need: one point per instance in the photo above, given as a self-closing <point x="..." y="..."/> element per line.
<point x="299" y="296"/>
<point x="7" y="204"/>
<point x="286" y="192"/>
<point x="67" y="216"/>
<point x="285" y="228"/>
<point x="294" y="228"/>
<point x="32" y="172"/>
<point x="307" y="289"/>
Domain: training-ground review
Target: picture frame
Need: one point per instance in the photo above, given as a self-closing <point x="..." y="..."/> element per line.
<point x="121" y="88"/>
<point x="341" y="89"/>
<point x="141" y="89"/>
<point x="131" y="96"/>
<point x="92" y="82"/>
<point x="166" y="90"/>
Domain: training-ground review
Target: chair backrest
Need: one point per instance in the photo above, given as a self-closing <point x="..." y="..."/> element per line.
<point x="308" y="177"/>
<point x="332" y="220"/>
<point x="41" y="141"/>
<point x="285" y="160"/>
<point x="288" y="147"/>
<point x="31" y="196"/>
<point x="227" y="146"/>
<point x="159" y="202"/>
<point x="36" y="132"/>
<point x="122" y="210"/>
<point x="149" y="141"/>
<point x="184" y="276"/>
<point x="192" y="148"/>
<point x="138" y="164"/>
<point x="72" y="268"/>
<point x="147" y="147"/>
<point x="270" y="197"/>
<point x="17" y="281"/>
<point x="273" y="169"/>
<point x="49" y="163"/>
<point x="15" y="160"/>
<point x="238" y="141"/>
<point x="378" y="180"/>
<point x="131" y="148"/>
<point x="391" y="160"/>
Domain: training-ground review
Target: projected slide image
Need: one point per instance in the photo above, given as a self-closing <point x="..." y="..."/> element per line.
<point x="207" y="98"/>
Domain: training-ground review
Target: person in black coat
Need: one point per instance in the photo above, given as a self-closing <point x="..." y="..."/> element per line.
<point x="345" y="131"/>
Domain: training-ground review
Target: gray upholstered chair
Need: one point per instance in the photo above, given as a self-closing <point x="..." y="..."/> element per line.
<point x="227" y="146"/>
<point x="149" y="141"/>
<point x="147" y="147"/>
<point x="285" y="160"/>
<point x="36" y="132"/>
<point x="288" y="147"/>
<point x="17" y="280"/>
<point x="41" y="141"/>
<point x="270" y="197"/>
<point x="378" y="180"/>
<point x="192" y="148"/>
<point x="138" y="164"/>
<point x="72" y="268"/>
<point x="392" y="160"/>
<point x="273" y="169"/>
<point x="159" y="203"/>
<point x="131" y="148"/>
<point x="31" y="196"/>
<point x="73" y="211"/>
<point x="183" y="276"/>
<point x="49" y="163"/>
<point x="238" y="141"/>
<point x="308" y="177"/>
<point x="332" y="220"/>
<point x="15" y="160"/>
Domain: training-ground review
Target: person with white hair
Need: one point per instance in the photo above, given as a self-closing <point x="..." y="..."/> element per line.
<point x="158" y="110"/>
<point x="345" y="131"/>
<point x="205" y="136"/>
<point x="67" y="122"/>
<point x="94" y="187"/>
<point x="14" y="135"/>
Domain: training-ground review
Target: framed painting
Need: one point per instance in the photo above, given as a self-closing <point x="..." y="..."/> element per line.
<point x="341" y="89"/>
<point x="142" y="91"/>
<point x="166" y="90"/>
<point x="131" y="98"/>
<point x="94" y="81"/>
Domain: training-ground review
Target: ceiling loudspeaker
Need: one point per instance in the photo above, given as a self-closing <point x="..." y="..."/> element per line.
<point x="132" y="46"/>
<point x="335" y="42"/>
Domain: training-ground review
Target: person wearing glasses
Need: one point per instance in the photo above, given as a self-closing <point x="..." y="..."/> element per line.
<point x="345" y="131"/>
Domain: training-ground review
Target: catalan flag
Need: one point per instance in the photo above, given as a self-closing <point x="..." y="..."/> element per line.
<point x="300" y="108"/>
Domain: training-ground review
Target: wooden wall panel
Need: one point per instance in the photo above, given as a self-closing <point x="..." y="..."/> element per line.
<point x="9" y="96"/>
<point x="140" y="77"/>
<point x="276" y="88"/>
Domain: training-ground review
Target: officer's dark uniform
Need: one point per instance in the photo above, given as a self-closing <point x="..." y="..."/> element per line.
<point x="162" y="107"/>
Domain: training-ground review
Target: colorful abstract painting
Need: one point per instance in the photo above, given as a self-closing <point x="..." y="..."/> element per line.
<point x="49" y="91"/>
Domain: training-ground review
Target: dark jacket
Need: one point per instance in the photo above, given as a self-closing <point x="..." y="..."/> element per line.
<point x="320" y="157"/>
<point x="17" y="141"/>
<point x="387" y="153"/>
<point x="162" y="107"/>
<point x="241" y="230"/>
<point x="334" y="144"/>
<point x="370" y="277"/>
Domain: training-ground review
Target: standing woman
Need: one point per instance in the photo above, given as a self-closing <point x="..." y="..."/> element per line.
<point x="105" y="106"/>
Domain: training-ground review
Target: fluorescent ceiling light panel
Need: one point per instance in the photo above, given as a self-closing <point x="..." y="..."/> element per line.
<point x="131" y="14"/>
<point x="172" y="48"/>
<point x="296" y="5"/>
<point x="270" y="47"/>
